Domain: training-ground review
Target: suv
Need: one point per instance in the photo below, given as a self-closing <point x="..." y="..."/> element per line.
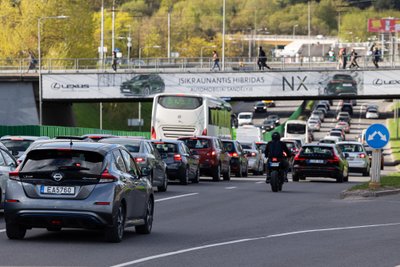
<point x="214" y="160"/>
<point x="78" y="185"/>
<point x="7" y="164"/>
<point x="255" y="157"/>
<point x="320" y="160"/>
<point x="239" y="162"/>
<point x="347" y="107"/>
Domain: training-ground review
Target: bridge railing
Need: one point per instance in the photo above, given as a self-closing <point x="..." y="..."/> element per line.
<point x="186" y="64"/>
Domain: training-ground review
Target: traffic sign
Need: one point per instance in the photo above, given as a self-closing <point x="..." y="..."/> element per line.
<point x="377" y="136"/>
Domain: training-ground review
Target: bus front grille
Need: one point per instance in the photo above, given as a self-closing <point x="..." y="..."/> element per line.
<point x="176" y="132"/>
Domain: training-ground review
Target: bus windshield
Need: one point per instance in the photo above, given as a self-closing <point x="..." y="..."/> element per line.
<point x="180" y="102"/>
<point x="295" y="128"/>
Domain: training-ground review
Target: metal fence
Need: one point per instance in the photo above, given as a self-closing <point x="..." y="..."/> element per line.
<point x="56" y="65"/>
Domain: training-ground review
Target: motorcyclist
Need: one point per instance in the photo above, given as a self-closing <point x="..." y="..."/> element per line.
<point x="278" y="149"/>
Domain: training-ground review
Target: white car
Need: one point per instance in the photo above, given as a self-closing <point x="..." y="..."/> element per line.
<point x="318" y="113"/>
<point x="330" y="139"/>
<point x="372" y="114"/>
<point x="245" y="118"/>
<point x="356" y="155"/>
<point x="314" y="125"/>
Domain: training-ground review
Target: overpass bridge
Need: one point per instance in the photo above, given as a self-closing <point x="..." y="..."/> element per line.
<point x="21" y="95"/>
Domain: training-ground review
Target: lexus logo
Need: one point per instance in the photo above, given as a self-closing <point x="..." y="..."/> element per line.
<point x="378" y="82"/>
<point x="71" y="86"/>
<point x="57" y="176"/>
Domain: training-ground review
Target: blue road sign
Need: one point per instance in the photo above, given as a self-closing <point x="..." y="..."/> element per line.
<point x="377" y="136"/>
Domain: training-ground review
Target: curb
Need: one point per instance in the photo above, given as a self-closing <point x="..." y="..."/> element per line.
<point x="367" y="193"/>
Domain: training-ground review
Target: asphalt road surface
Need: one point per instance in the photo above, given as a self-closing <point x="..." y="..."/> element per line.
<point x="235" y="223"/>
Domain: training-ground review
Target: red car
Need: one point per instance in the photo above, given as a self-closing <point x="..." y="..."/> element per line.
<point x="214" y="159"/>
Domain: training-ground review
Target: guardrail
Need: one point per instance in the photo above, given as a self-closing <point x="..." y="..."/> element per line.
<point x="54" y="65"/>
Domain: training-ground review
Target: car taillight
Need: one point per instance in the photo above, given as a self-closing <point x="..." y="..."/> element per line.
<point x="362" y="155"/>
<point x="153" y="133"/>
<point x="212" y="153"/>
<point x="14" y="175"/>
<point x="107" y="177"/>
<point x="274" y="159"/>
<point x="204" y="132"/>
<point x="234" y="155"/>
<point x="297" y="157"/>
<point x="334" y="159"/>
<point x="177" y="157"/>
<point x="138" y="160"/>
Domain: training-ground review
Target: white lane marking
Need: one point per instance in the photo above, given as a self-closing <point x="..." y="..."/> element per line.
<point x="2" y="230"/>
<point x="169" y="198"/>
<point x="230" y="187"/>
<point x="260" y="182"/>
<point x="167" y="254"/>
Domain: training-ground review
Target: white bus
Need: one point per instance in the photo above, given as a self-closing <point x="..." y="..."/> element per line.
<point x="179" y="115"/>
<point x="297" y="129"/>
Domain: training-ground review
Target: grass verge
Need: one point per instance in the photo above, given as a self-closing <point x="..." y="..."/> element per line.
<point x="391" y="181"/>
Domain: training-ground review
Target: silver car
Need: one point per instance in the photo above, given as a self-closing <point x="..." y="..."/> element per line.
<point x="254" y="156"/>
<point x="7" y="164"/>
<point x="78" y="185"/>
<point x="356" y="156"/>
<point x="18" y="144"/>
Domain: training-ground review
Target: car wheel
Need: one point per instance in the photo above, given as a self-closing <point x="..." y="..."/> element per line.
<point x="340" y="178"/>
<point x="239" y="173"/>
<point x="227" y="174"/>
<point x="295" y="177"/>
<point x="148" y="220"/>
<point x="197" y="176"/>
<point x="115" y="233"/>
<point x="164" y="186"/>
<point x="185" y="177"/>
<point x="216" y="173"/>
<point x="366" y="172"/>
<point x="146" y="90"/>
<point x="15" y="231"/>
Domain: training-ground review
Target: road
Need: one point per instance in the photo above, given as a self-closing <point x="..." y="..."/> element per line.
<point x="236" y="223"/>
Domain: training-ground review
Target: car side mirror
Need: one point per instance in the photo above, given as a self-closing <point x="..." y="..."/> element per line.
<point x="346" y="155"/>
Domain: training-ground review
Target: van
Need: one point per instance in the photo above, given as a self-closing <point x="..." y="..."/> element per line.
<point x="249" y="133"/>
<point x="245" y="118"/>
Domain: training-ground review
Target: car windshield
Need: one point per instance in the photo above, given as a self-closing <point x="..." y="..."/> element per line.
<point x="65" y="160"/>
<point x="294" y="128"/>
<point x="351" y="148"/>
<point x="164" y="148"/>
<point x="317" y="151"/>
<point x="334" y="133"/>
<point x="197" y="143"/>
<point x="247" y="146"/>
<point x="290" y="145"/>
<point x="342" y="77"/>
<point x="229" y="146"/>
<point x="245" y="116"/>
<point x="17" y="145"/>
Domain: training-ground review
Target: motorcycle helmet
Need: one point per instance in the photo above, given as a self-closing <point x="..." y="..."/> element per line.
<point x="276" y="136"/>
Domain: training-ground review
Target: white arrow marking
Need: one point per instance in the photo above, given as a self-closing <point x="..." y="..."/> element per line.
<point x="372" y="136"/>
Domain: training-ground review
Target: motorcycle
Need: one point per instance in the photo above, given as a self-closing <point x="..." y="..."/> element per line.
<point x="276" y="173"/>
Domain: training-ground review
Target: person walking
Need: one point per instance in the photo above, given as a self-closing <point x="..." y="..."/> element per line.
<point x="353" y="59"/>
<point x="376" y="54"/>
<point x="114" y="60"/>
<point x="262" y="59"/>
<point x="215" y="60"/>
<point x="32" y="61"/>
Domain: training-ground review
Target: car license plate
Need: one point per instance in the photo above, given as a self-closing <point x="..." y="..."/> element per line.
<point x="320" y="161"/>
<point x="274" y="164"/>
<point x="57" y="190"/>
<point x="347" y="84"/>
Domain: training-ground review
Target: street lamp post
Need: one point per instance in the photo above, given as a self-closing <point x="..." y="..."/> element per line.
<point x="40" y="64"/>
<point x="223" y="34"/>
<point x="201" y="53"/>
<point x="294" y="30"/>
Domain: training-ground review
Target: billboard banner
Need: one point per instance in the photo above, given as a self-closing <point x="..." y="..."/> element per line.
<point x="383" y="25"/>
<point x="114" y="86"/>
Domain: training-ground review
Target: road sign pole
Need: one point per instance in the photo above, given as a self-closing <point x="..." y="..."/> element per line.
<point x="375" y="169"/>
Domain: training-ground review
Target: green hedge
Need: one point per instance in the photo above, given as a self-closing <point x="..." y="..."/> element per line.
<point x="52" y="131"/>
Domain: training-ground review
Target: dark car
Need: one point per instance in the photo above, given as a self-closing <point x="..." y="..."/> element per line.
<point x="320" y="160"/>
<point x="260" y="107"/>
<point x="214" y="160"/>
<point x="294" y="148"/>
<point x="143" y="85"/>
<point x="347" y="107"/>
<point x="147" y="157"/>
<point x="78" y="185"/>
<point x="275" y="118"/>
<point x="341" y="84"/>
<point x="239" y="162"/>
<point x="182" y="164"/>
<point x="18" y="144"/>
<point x="268" y="125"/>
<point x="7" y="164"/>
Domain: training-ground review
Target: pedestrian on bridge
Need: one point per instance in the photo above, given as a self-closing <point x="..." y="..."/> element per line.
<point x="262" y="60"/>
<point x="32" y="61"/>
<point x="376" y="54"/>
<point x="216" y="61"/>
<point x="114" y="60"/>
<point x="353" y="59"/>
